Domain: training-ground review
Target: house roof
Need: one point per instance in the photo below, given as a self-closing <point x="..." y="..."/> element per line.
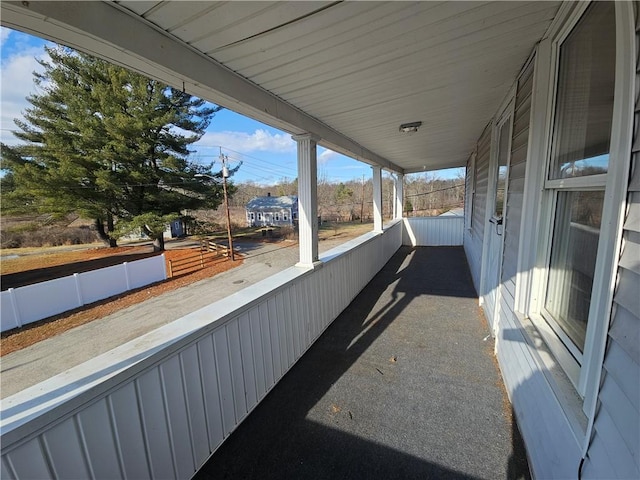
<point x="348" y="72"/>
<point x="454" y="212"/>
<point x="263" y="203"/>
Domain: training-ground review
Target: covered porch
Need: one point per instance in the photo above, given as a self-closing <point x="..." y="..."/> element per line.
<point x="403" y="384"/>
<point x="376" y="361"/>
<point x="405" y="87"/>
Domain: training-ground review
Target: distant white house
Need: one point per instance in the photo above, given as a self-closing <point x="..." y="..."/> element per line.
<point x="272" y="211"/>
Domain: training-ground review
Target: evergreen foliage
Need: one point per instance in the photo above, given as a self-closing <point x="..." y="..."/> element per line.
<point x="108" y="144"/>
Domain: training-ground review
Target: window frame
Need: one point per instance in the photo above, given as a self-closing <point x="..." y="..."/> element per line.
<point x="585" y="377"/>
<point x="506" y="118"/>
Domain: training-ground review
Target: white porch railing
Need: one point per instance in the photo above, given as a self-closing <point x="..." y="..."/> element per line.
<point x="433" y="231"/>
<point x="160" y="405"/>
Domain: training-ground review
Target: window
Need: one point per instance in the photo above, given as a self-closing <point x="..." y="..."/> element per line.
<point x="285" y="216"/>
<point x="277" y="216"/>
<point x="503" y="158"/>
<point x="572" y="262"/>
<point x="259" y="215"/>
<point x="576" y="181"/>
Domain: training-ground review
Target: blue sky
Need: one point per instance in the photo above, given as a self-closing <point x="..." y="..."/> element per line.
<point x="268" y="155"/>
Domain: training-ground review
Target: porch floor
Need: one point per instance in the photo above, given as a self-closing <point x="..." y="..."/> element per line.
<point x="402" y="385"/>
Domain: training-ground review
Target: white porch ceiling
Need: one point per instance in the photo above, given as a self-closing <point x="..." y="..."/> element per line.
<point x="350" y="72"/>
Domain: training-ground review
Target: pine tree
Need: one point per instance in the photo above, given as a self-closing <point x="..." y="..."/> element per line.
<point x="110" y="145"/>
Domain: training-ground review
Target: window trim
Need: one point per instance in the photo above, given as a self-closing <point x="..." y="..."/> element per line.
<point x="615" y="199"/>
<point x="588" y="182"/>
<point x="540" y="203"/>
<point x="507" y="116"/>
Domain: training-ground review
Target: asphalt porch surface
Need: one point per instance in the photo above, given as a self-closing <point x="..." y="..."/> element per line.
<point x="403" y="385"/>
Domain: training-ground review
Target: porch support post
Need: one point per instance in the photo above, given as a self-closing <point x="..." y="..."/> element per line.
<point x="377" y="199"/>
<point x="307" y="200"/>
<point x="398" y="188"/>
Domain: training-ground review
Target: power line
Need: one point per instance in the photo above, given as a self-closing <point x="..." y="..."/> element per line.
<point x="251" y="157"/>
<point x="435" y="191"/>
<point x="283" y="171"/>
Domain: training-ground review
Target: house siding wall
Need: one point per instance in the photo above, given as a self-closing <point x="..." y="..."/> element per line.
<point x="474" y="236"/>
<point x="552" y="448"/>
<point x="551" y="445"/>
<point x="615" y="446"/>
<point x="515" y="193"/>
<point x="272" y="219"/>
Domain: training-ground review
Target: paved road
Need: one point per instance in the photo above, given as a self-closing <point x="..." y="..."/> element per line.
<point x="45" y="359"/>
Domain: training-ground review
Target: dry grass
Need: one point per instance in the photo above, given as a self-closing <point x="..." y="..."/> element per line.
<point x="37" y="257"/>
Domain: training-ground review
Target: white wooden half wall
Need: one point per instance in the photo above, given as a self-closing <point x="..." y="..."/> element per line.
<point x="158" y="406"/>
<point x="433" y="231"/>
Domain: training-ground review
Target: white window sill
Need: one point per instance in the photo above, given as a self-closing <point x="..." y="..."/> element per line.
<point x="561" y="385"/>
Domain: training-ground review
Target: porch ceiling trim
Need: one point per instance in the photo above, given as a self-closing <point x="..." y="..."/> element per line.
<point x="139" y="45"/>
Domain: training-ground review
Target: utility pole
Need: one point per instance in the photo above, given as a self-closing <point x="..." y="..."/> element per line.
<point x="225" y="174"/>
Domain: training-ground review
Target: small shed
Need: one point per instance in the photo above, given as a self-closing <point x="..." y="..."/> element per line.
<point x="272" y="211"/>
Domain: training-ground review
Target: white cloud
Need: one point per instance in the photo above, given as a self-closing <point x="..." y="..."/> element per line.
<point x="4" y="35"/>
<point x="258" y="141"/>
<point x="16" y="83"/>
<point x="327" y="155"/>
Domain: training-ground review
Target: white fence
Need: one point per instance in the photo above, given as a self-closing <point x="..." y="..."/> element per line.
<point x="433" y="231"/>
<point x="24" y="305"/>
<point x="158" y="406"/>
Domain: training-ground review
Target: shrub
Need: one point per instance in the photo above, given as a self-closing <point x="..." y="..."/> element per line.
<point x="287" y="233"/>
<point x="46" y="236"/>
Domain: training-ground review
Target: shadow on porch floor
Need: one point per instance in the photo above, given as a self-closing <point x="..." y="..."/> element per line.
<point x="402" y="385"/>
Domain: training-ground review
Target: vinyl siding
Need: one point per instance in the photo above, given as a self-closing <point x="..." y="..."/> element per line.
<point x="551" y="446"/>
<point x="473" y="237"/>
<point x="616" y="440"/>
<point x="517" y="167"/>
